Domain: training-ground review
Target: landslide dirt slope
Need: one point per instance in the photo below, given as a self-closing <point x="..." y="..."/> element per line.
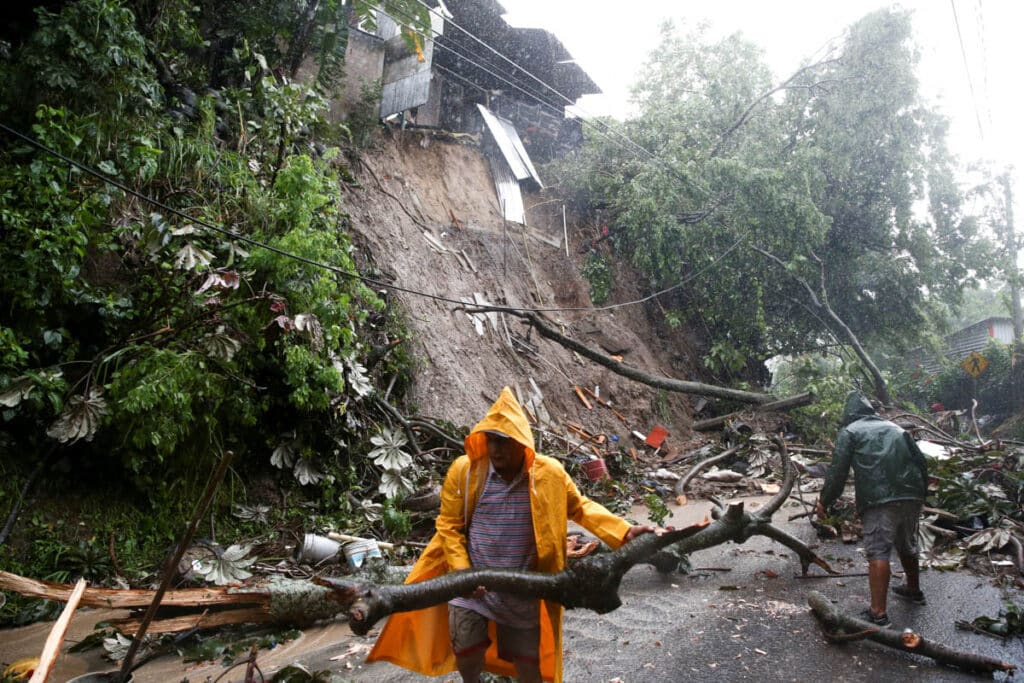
<point x="413" y="183"/>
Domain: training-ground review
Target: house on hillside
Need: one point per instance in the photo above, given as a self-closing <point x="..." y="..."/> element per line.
<point x="475" y="74"/>
<point x="960" y="344"/>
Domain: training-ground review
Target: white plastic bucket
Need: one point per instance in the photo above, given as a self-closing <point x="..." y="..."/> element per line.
<point x="316" y="549"/>
<point x="358" y="552"/>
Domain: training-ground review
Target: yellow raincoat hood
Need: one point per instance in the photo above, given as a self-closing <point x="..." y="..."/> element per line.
<point x="419" y="640"/>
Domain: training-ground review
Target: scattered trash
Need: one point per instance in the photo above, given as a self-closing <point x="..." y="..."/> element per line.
<point x="722" y="476"/>
<point x="595" y="469"/>
<point x="318" y="549"/>
<point x="663" y="473"/>
<point x="360" y="552"/>
<point x="656" y="436"/>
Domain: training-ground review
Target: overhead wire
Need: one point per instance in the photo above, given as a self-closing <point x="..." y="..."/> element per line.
<point x="539" y="80"/>
<point x="533" y="94"/>
<point x="221" y="230"/>
<point x="967" y="69"/>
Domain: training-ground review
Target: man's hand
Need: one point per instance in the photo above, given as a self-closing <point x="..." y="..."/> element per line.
<point x="819" y="510"/>
<point x="639" y="529"/>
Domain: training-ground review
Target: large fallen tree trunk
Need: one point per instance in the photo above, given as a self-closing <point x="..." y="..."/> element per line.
<point x="840" y="627"/>
<point x="591" y="582"/>
<point x="616" y="366"/>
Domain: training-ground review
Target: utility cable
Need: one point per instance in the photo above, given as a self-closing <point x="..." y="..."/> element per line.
<point x="544" y="83"/>
<point x="221" y="230"/>
<point x="541" y="101"/>
<point x="967" y="69"/>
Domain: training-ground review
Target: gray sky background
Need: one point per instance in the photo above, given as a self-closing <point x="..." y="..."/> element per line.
<point x="612" y="39"/>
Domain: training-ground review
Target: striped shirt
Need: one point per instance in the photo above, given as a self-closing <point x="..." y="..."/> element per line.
<point x="501" y="536"/>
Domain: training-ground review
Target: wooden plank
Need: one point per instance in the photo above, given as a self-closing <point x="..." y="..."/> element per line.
<point x="53" y="641"/>
<point x="583" y="399"/>
<point x="115" y="598"/>
<point x="249" y="615"/>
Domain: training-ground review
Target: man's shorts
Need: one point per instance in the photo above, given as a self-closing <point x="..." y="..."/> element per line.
<point x="891" y="525"/>
<point x="468" y="632"/>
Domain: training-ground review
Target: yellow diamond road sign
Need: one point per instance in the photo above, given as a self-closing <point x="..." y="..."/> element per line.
<point x="974" y="364"/>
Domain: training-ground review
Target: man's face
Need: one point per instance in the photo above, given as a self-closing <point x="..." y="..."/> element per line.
<point x="506" y="455"/>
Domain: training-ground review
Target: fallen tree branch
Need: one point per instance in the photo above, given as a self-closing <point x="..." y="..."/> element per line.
<point x="836" y="623"/>
<point x="591" y="583"/>
<point x="696" y="469"/>
<point x="669" y="384"/>
<point x="782" y="404"/>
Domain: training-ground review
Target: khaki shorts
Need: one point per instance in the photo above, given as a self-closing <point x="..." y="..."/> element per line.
<point x="891" y="525"/>
<point x="468" y="632"/>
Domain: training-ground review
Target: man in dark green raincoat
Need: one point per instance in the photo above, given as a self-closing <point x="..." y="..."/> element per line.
<point x="890" y="481"/>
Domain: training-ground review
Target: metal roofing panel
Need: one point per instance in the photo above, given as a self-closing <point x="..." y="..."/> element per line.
<point x="510" y="196"/>
<point x="504" y="134"/>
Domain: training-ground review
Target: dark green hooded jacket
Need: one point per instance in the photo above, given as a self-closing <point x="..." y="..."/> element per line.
<point x="887" y="464"/>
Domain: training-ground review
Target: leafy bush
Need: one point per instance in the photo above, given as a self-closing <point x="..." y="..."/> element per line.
<point x="135" y="337"/>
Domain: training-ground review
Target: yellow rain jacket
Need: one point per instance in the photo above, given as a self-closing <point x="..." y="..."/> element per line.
<point x="419" y="640"/>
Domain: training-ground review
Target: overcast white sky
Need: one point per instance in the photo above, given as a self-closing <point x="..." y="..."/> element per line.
<point x="611" y="39"/>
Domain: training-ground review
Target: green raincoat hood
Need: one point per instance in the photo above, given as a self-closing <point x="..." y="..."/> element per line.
<point x="856" y="407"/>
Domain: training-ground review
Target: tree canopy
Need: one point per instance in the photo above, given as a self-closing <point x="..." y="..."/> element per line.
<point x="841" y="172"/>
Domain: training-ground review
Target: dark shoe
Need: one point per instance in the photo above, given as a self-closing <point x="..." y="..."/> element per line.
<point x="916" y="597"/>
<point x="870" y="617"/>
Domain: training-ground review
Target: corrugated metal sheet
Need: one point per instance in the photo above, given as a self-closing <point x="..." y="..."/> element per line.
<point x="504" y="134"/>
<point x="510" y="196"/>
<point x="963" y="342"/>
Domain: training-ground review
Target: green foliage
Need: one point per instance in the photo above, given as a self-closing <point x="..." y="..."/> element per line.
<point x="656" y="509"/>
<point x="597" y="270"/>
<point x="92" y="49"/>
<point x="823" y="172"/>
<point x="142" y="342"/>
<point x="829" y="378"/>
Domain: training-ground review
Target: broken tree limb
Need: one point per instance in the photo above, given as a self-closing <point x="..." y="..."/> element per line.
<point x="822" y="304"/>
<point x="53" y="641"/>
<point x="591" y="583"/>
<point x="837" y="623"/>
<point x="669" y="384"/>
<point x="782" y="404"/>
<point x="707" y="462"/>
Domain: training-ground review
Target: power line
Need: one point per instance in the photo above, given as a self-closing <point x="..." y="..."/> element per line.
<point x="326" y="266"/>
<point x="967" y="69"/>
<point x="541" y="101"/>
<point x="545" y="84"/>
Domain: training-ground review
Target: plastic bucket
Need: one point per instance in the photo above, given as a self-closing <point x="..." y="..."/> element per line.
<point x="358" y="552"/>
<point x="316" y="549"/>
<point x="595" y="470"/>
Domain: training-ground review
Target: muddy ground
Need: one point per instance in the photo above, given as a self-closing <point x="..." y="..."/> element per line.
<point x="748" y="623"/>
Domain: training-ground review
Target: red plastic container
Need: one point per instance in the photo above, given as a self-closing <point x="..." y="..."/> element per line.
<point x="595" y="470"/>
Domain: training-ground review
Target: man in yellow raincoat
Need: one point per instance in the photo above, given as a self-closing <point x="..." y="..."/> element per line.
<point x="499" y="467"/>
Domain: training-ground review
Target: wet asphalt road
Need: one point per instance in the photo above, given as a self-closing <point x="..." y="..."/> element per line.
<point x="742" y="625"/>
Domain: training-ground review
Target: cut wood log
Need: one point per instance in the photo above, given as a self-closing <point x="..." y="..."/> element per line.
<point x="53" y="641"/>
<point x="836" y="624"/>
